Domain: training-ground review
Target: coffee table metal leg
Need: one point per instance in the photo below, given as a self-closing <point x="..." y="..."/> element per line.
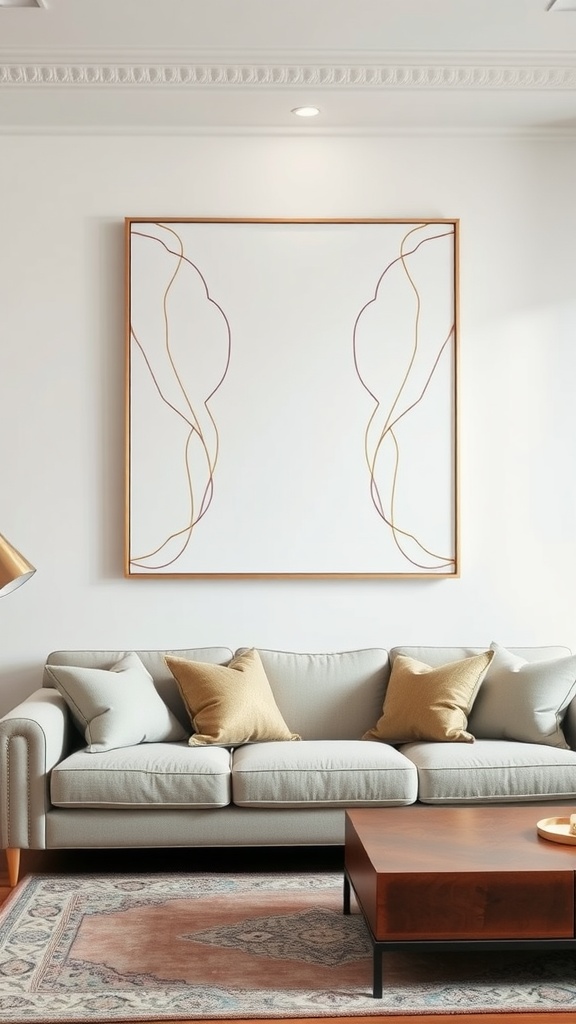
<point x="377" y="947"/>
<point x="377" y="970"/>
<point x="346" y="907"/>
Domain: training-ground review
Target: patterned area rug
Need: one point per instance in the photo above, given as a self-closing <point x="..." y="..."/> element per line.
<point x="81" y="948"/>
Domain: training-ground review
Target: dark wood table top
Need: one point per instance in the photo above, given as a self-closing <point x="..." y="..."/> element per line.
<point x="466" y="838"/>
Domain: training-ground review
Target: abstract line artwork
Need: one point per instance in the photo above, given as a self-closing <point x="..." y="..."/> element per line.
<point x="291" y="398"/>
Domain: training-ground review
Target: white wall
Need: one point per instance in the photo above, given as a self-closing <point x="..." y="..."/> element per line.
<point x="62" y="205"/>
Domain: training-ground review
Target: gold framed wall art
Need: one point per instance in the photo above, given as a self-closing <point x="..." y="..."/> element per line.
<point x="291" y="398"/>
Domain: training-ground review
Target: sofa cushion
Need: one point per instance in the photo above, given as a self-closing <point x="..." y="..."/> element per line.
<point x="442" y="655"/>
<point x="523" y="701"/>
<point x="118" y="707"/>
<point x="492" y="771"/>
<point x="335" y="696"/>
<point x="322" y="773"/>
<point x="429" y="703"/>
<point x="153" y="661"/>
<point x="229" y="705"/>
<point x="153" y="775"/>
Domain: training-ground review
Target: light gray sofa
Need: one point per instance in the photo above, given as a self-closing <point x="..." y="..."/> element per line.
<point x="56" y="795"/>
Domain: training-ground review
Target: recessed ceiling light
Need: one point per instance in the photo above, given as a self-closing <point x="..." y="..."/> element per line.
<point x="306" y="111"/>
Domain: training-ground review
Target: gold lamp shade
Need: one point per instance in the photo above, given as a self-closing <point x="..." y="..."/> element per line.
<point x="14" y="569"/>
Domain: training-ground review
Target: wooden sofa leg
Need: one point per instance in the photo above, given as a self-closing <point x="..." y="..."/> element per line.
<point x="13" y="861"/>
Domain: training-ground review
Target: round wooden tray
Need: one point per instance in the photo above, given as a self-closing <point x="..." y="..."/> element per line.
<point x="557" y="830"/>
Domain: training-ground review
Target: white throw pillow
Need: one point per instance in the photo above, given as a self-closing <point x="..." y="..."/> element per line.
<point x="117" y="707"/>
<point x="524" y="700"/>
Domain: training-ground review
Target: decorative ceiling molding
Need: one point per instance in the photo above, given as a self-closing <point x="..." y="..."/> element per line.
<point x="376" y="76"/>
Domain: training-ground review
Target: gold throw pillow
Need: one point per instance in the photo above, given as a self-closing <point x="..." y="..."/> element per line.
<point x="424" y="703"/>
<point x="229" y="704"/>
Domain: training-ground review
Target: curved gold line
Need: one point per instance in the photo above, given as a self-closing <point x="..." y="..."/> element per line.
<point x="390" y="423"/>
<point x="400" y="258"/>
<point x="183" y="258"/>
<point x="187" y="529"/>
<point x="390" y="430"/>
<point x="194" y="430"/>
<point x="180" y="259"/>
<point x="208" y="492"/>
<point x="406" y="533"/>
<point x="391" y="521"/>
<point x="429" y="238"/>
<point x="444" y="561"/>
<point x="416" y="325"/>
<point x="156" y="384"/>
<point x="209" y="485"/>
<point x="208" y="296"/>
<point x="211" y="464"/>
<point x="384" y="431"/>
<point x="428" y="379"/>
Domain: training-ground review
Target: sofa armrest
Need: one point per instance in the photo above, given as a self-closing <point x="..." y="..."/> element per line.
<point x="34" y="737"/>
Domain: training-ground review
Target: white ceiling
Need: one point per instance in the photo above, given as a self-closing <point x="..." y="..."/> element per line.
<point x="370" y="65"/>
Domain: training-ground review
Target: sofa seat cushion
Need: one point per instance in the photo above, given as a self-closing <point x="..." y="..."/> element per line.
<point x="492" y="771"/>
<point x="322" y="773"/>
<point x="152" y="775"/>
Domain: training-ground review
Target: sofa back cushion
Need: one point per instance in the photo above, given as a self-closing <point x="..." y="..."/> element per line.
<point x="442" y="655"/>
<point x="152" y="660"/>
<point x="335" y="696"/>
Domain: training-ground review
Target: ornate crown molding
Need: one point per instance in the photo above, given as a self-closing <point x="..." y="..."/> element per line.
<point x="373" y="76"/>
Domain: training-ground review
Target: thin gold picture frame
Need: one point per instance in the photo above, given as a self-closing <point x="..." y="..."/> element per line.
<point x="250" y="343"/>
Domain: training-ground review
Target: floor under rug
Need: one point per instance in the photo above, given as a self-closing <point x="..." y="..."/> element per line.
<point x="146" y="947"/>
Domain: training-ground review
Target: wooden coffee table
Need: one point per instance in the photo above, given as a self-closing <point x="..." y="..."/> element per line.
<point x="459" y="878"/>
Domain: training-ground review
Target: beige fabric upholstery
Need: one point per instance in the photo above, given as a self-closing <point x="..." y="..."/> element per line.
<point x="328" y="696"/>
<point x="335" y="696"/>
<point x="442" y="655"/>
<point x="226" y="826"/>
<point x="519" y="700"/>
<point x="531" y="655"/>
<point x="34" y="737"/>
<point x="322" y="773"/>
<point x="152" y="660"/>
<point x="492" y="771"/>
<point x="156" y="775"/>
<point x="119" y="707"/>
